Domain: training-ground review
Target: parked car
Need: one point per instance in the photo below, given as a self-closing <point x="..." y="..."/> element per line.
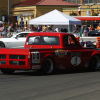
<point x="16" y="41"/>
<point x="94" y="33"/>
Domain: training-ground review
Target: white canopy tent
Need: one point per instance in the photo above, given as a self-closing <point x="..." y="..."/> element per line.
<point x="55" y="17"/>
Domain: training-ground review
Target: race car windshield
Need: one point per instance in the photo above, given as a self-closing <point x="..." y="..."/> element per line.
<point x="43" y="40"/>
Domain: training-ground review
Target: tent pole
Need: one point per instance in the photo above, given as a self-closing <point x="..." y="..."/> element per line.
<point x="69" y="28"/>
<point x="29" y="27"/>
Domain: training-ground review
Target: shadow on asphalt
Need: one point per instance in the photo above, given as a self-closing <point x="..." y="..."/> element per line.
<point x="35" y="73"/>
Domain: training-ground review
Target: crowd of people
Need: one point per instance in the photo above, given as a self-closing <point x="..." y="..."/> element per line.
<point x="7" y="31"/>
<point x="85" y="29"/>
<point x="47" y="28"/>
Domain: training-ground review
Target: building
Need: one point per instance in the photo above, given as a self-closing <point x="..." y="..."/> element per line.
<point x="83" y="1"/>
<point x="30" y="9"/>
<point x="90" y="12"/>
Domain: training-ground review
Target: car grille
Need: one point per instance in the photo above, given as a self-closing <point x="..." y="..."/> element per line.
<point x="12" y="59"/>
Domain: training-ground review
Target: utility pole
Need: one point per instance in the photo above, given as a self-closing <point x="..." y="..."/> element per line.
<point x="8" y="13"/>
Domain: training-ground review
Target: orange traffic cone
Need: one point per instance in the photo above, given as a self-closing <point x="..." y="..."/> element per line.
<point x="85" y="44"/>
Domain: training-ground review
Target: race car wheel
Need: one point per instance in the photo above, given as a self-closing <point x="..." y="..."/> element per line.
<point x="7" y="71"/>
<point x="48" y="66"/>
<point x="94" y="63"/>
<point x="2" y="45"/>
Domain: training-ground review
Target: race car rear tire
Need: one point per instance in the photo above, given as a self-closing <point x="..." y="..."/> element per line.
<point x="94" y="63"/>
<point x="7" y="71"/>
<point x="48" y="66"/>
<point x="2" y="45"/>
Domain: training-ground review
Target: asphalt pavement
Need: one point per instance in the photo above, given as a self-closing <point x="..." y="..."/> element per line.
<point x="81" y="85"/>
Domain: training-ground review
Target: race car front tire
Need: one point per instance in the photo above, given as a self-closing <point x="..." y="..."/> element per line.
<point x="94" y="63"/>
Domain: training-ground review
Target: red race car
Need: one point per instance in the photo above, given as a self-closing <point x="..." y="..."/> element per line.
<point x="48" y="51"/>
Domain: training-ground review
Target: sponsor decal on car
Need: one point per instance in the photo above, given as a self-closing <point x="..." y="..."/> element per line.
<point x="35" y="57"/>
<point x="61" y="67"/>
<point x="75" y="54"/>
<point x="60" y="52"/>
<point x="86" y="64"/>
<point x="36" y="67"/>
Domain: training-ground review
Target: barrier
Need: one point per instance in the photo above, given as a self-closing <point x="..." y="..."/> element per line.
<point x="98" y="42"/>
<point x="13" y="33"/>
<point x="85" y="44"/>
<point x="90" y="41"/>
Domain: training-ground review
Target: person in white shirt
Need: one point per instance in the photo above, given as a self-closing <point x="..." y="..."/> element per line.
<point x="79" y="10"/>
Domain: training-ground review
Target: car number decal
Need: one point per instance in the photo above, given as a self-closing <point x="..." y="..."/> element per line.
<point x="75" y="61"/>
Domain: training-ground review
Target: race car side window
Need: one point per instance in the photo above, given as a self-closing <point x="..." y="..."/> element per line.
<point x="43" y="40"/>
<point x="68" y="41"/>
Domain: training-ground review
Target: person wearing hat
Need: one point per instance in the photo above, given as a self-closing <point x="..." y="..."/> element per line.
<point x="98" y="27"/>
<point x="25" y="29"/>
<point x="49" y="29"/>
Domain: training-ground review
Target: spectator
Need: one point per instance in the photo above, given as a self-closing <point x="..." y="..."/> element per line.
<point x="55" y="30"/>
<point x="65" y="30"/>
<point x="16" y="26"/>
<point x="49" y="29"/>
<point x="76" y="30"/>
<point x="9" y="34"/>
<point x="4" y="30"/>
<point x="82" y="30"/>
<point x="93" y="28"/>
<point x="98" y="27"/>
<point x="19" y="29"/>
<point x="25" y="29"/>
<point x="0" y="27"/>
<point x="31" y="28"/>
<point x="90" y="28"/>
<point x="44" y="28"/>
<point x="12" y="28"/>
<point x="86" y="31"/>
<point x="34" y="29"/>
<point x="62" y="30"/>
<point x="79" y="10"/>
<point x="39" y="28"/>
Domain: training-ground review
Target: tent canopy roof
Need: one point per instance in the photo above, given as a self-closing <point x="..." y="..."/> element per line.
<point x="55" y="17"/>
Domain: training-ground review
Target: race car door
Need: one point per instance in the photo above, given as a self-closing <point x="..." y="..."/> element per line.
<point x="19" y="40"/>
<point x="76" y="56"/>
